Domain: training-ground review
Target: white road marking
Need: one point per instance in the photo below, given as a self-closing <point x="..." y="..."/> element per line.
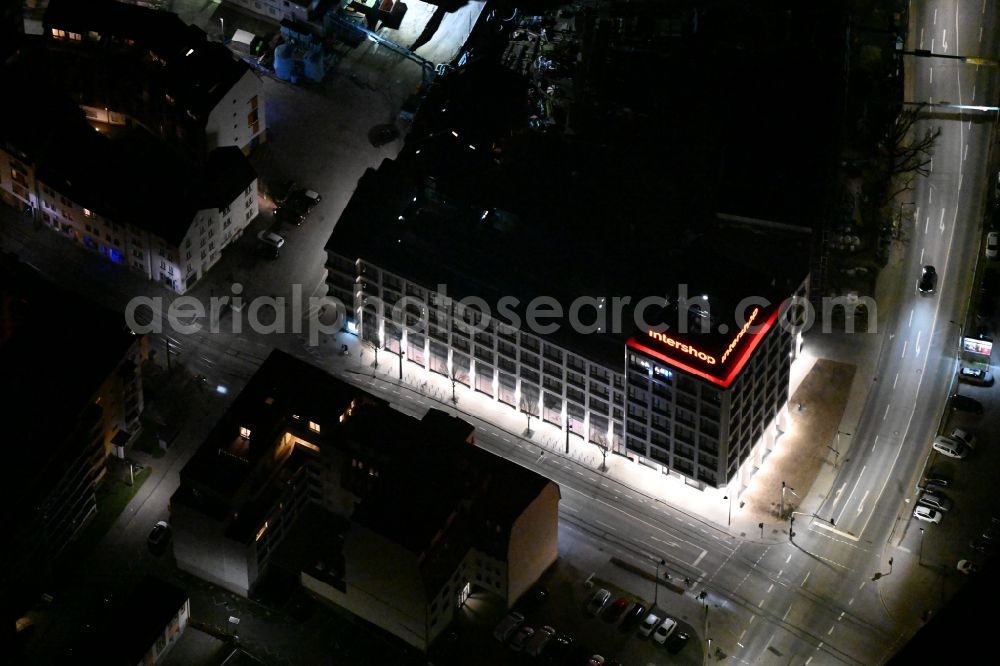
<point x="931" y="71"/>
<point x="841" y="616"/>
<point x="904" y="549"/>
<point x="788" y="559"/>
<point x="852" y="490"/>
<point x="836" y="497"/>
<point x="831" y="629"/>
<point x="862" y="584"/>
<point x="919" y="333"/>
<point x="785" y="615"/>
<point x="886" y="412"/>
<point x="698" y="559"/>
<point x="761" y="604"/>
<point x="851" y="601"/>
<point x="944" y="39"/>
<point x="921" y="38"/>
<point x="980" y="34"/>
<point x="830" y="528"/>
<point x="941" y="221"/>
<point x="568" y="507"/>
<point x="935" y="16"/>
<point x="895" y="380"/>
<point x="965" y="153"/>
<point x="905" y="343"/>
<point x="910" y="323"/>
<point x="601" y="522"/>
<point x="803" y="583"/>
<point x="771" y="587"/>
<point x="808" y="660"/>
<point x="873" y="444"/>
<point x="861" y="504"/>
<point x="922" y="249"/>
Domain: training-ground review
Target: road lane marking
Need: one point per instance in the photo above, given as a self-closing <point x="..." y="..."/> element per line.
<point x="886" y="412"/>
<point x="851" y="602"/>
<point x="831" y="629"/>
<point x="922" y="249"/>
<point x="785" y="615"/>
<point x="895" y="380"/>
<point x="788" y="559"/>
<point x="862" y="584"/>
<point x="910" y="323"/>
<point x="941" y="221"/>
<point x="931" y="71"/>
<point x="703" y="554"/>
<point x="944" y="39"/>
<point x="861" y="504"/>
<point x="919" y="333"/>
<point x="808" y="660"/>
<point x="761" y="604"/>
<point x="568" y="507"/>
<point x="922" y="37"/>
<point x="852" y="491"/>
<point x="841" y="616"/>
<point x="905" y="343"/>
<point x="873" y="446"/>
<point x="965" y="153"/>
<point x="601" y="522"/>
<point x="830" y="528"/>
<point x="935" y="16"/>
<point x="803" y="583"/>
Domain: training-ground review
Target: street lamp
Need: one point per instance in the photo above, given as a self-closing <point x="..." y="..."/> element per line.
<point x="569" y="428"/>
<point x="656" y="583"/>
<point x="730" y="509"/>
<point x="401" y="355"/>
<point x="920" y="550"/>
<point x="222" y="22"/>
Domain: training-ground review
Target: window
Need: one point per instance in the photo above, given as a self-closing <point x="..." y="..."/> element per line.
<point x="314" y="426"/>
<point x="244" y="432"/>
<point x="75" y="36"/>
<point x="189" y="255"/>
<point x="226" y="222"/>
<point x="224" y="211"/>
<point x="58" y="34"/>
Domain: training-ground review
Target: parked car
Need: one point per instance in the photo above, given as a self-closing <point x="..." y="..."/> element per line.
<point x="160" y="535"/>
<point x="966" y="404"/>
<point x="558" y="649"/>
<point x="521" y="637"/>
<point x="947" y="446"/>
<point x="976" y="376"/>
<point x="927" y="514"/>
<point x="302" y="200"/>
<point x="651" y="622"/>
<point x="662" y="632"/>
<point x="964" y="436"/>
<point x="927" y="281"/>
<point x="286" y="215"/>
<point x="616" y="609"/>
<point x="508" y="626"/>
<point x="598" y="601"/>
<point x="938" y="478"/>
<point x="634" y="613"/>
<point x="939" y="502"/>
<point x="677" y="641"/>
<point x="271" y="239"/>
<point x="596" y="660"/>
<point x="967" y="566"/>
<point x="992" y="243"/>
<point x="537" y="643"/>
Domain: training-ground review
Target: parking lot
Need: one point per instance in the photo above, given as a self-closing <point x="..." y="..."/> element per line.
<point x="564" y="609"/>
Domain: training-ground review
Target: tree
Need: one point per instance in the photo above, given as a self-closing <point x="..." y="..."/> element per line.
<point x="601" y="442"/>
<point x="906" y="153"/>
<point x="529" y="405"/>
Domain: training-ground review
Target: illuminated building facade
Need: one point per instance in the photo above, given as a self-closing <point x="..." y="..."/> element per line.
<point x="692" y="406"/>
<point x="396" y="519"/>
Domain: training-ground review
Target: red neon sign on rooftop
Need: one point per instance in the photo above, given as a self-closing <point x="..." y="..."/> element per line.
<point x="685" y="356"/>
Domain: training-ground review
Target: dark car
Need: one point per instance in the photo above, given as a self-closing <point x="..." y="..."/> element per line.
<point x="966" y="404"/>
<point x="677" y="641"/>
<point x="288" y="216"/>
<point x="302" y="200"/>
<point x="159" y="536"/>
<point x="558" y="649"/>
<point x="634" y="613"/>
<point x="616" y="609"/>
<point x="927" y="281"/>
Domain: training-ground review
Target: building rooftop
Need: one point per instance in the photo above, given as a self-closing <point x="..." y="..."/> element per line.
<point x="114" y="177"/>
<point x="526" y="235"/>
<point x="195" y="72"/>
<point x="143" y="617"/>
<point x="52" y="343"/>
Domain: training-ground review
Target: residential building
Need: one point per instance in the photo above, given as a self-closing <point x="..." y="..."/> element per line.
<point x="425" y="272"/>
<point x="72" y="388"/>
<point x="131" y="65"/>
<point x="123" y="194"/>
<point x="279" y="10"/>
<point x="304" y="473"/>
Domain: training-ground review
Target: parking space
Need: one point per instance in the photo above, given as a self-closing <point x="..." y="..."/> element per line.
<point x="564" y="609"/>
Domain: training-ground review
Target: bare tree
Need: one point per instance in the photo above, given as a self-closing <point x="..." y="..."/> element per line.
<point x="906" y="152"/>
<point x="530" y="408"/>
<point x="601" y="442"/>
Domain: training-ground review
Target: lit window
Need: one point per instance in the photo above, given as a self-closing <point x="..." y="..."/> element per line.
<point x="244" y="432"/>
<point x="260" y="532"/>
<point x="268" y="400"/>
<point x="58" y="34"/>
<point x="314" y="426"/>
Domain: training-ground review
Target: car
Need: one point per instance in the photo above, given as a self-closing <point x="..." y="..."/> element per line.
<point x="302" y="200"/>
<point x="976" y="376"/>
<point x="634" y="613"/>
<point x="677" y="641"/>
<point x="967" y="566"/>
<point x="935" y="501"/>
<point x="537" y="643"/>
<point x="616" y="609"/>
<point x="596" y="660"/>
<point x="507" y="626"/>
<point x="271" y="239"/>
<point x="927" y="281"/>
<point x="662" y="632"/>
<point x="559" y="649"/>
<point x="598" y="601"/>
<point x="521" y="637"/>
<point x="937" y="478"/>
<point x="160" y="534"/>
<point x="286" y="215"/>
<point x="949" y="447"/>
<point x="927" y="514"/>
<point x="992" y="244"/>
<point x="651" y="622"/>
<point x="533" y="598"/>
<point x="964" y="436"/>
<point x="966" y="404"/>
<point x="932" y="488"/>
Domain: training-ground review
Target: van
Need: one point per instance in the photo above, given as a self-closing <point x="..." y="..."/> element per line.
<point x="949" y="447"/>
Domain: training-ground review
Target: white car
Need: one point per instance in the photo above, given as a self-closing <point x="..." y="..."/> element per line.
<point x="947" y="446"/>
<point x="992" y="243"/>
<point x="270" y="238"/>
<point x="976" y="376"/>
<point x="663" y="631"/>
<point x="967" y="566"/>
<point x="651" y="622"/>
<point x="927" y="514"/>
